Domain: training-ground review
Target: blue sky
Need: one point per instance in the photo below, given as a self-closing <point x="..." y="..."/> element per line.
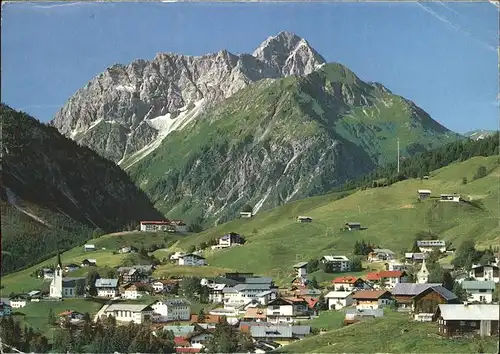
<point x="441" y="55"/>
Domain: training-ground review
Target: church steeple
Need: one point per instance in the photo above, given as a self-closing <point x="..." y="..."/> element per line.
<point x="423" y="274"/>
<point x="59" y="263"/>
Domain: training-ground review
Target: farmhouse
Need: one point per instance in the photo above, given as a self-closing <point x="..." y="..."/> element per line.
<point x="393" y="265"/>
<point x="153" y="226"/>
<point x="301" y="277"/>
<point x="129" y="312"/>
<point x="89" y="263"/>
<point x="266" y="296"/>
<point x="134" y="291"/>
<point x="178" y="226"/>
<point x="387" y="278"/>
<point x="381" y="254"/>
<point x="449" y="198"/>
<point x="426" y="302"/>
<point x="243" y="293"/>
<point x="479" y="291"/>
<point x="228" y="240"/>
<point x="107" y="287"/>
<point x="353" y="226"/>
<point x="304" y="219"/>
<point x="191" y="260"/>
<point x="485" y="272"/>
<point x="460" y="319"/>
<point x="246" y="214"/>
<point x="135" y="273"/>
<point x="423" y="194"/>
<point x="88" y="248"/>
<point x="337" y="263"/>
<point x="427" y="246"/>
<point x="339" y="299"/>
<point x="172" y="310"/>
<point x="404" y="292"/>
<point x="372" y="299"/>
<point x="349" y="283"/>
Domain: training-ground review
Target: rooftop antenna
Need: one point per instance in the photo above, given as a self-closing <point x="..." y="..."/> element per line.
<point x="398" y="156"/>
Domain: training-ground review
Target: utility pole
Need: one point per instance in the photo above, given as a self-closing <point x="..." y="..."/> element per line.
<point x="398" y="156"/>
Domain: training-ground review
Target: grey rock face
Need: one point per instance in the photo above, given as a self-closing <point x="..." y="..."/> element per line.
<point x="112" y="113"/>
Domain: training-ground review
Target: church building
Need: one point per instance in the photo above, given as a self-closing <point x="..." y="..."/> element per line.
<point x="62" y="287"/>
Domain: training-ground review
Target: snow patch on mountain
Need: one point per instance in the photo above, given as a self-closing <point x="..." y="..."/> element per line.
<point x="165" y="125"/>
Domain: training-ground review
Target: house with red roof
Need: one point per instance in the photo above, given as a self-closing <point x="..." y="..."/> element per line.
<point x="349" y="283"/>
<point x="387" y="278"/>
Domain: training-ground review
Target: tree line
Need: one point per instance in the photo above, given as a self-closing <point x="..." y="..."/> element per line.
<point x="421" y="164"/>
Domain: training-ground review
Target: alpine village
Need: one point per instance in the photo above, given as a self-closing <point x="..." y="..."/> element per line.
<point x="243" y="220"/>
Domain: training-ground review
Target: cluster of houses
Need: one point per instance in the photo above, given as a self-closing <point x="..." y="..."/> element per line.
<point x="166" y="225"/>
<point x="444" y="197"/>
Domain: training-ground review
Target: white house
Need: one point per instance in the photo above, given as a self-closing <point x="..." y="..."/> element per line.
<point x="449" y="198"/>
<point x="266" y="296"/>
<point x="428" y="246"/>
<point x="284" y="310"/>
<point x="301" y="219"/>
<point x="381" y="254"/>
<point x="133" y="291"/>
<point x="229" y="240"/>
<point x="486" y="272"/>
<point x="176" y="256"/>
<point x="339" y="299"/>
<point x="18" y="302"/>
<point x="107" y="287"/>
<point x="423" y="194"/>
<point x="242" y="294"/>
<point x="349" y="283"/>
<point x="480" y="291"/>
<point x="171" y="310"/>
<point x="129" y="312"/>
<point x="191" y="260"/>
<point x="246" y="214"/>
<point x="153" y="226"/>
<point x="338" y="263"/>
<point x="393" y="265"/>
<point x="388" y="278"/>
<point x="89" y="247"/>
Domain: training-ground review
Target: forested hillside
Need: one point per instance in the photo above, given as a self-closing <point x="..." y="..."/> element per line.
<point x="55" y="193"/>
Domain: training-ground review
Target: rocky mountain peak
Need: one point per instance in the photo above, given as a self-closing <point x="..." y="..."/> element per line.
<point x="128" y="109"/>
<point x="289" y="54"/>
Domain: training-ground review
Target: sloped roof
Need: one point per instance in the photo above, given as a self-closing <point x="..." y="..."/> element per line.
<point x="179" y="330"/>
<point x="106" y="283"/>
<point x="476" y="284"/>
<point x="255" y="312"/>
<point x="338" y="294"/>
<point x="346" y="280"/>
<point x="445" y="293"/>
<point x="127" y="307"/>
<point x="411" y="289"/>
<point x="279" y="331"/>
<point x="461" y="312"/>
<point x="370" y="294"/>
<point x="300" y="265"/>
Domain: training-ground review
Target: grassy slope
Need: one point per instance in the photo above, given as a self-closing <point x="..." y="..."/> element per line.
<point x="195" y="169"/>
<point x="22" y="281"/>
<point x="379" y="336"/>
<point x="392" y="214"/>
<point x="275" y="241"/>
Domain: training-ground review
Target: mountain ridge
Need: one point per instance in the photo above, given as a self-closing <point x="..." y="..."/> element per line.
<point x="111" y="113"/>
<point x="281" y="140"/>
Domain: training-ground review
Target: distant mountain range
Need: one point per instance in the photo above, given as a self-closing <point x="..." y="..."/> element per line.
<point x="205" y="136"/>
<point x="479" y="134"/>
